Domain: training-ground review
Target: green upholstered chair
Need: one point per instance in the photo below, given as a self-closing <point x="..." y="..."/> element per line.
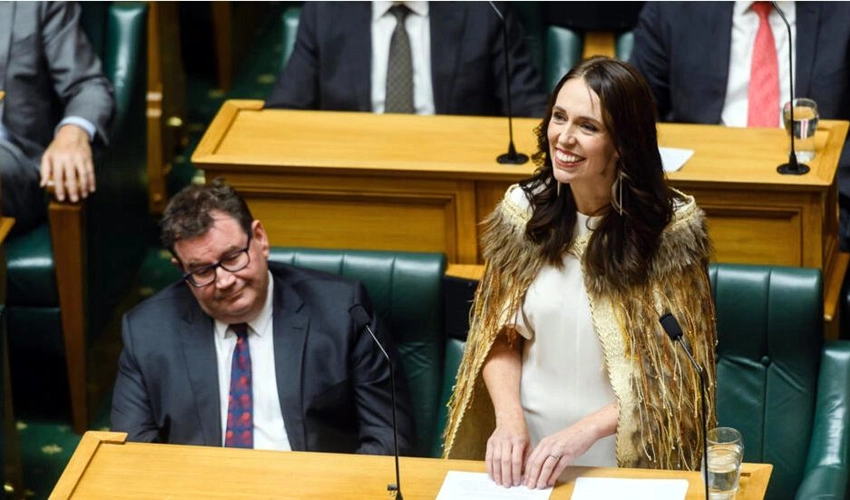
<point x="406" y="291"/>
<point x="778" y="382"/>
<point x="623" y="44"/>
<point x="563" y="51"/>
<point x="66" y="277"/>
<point x="289" y="28"/>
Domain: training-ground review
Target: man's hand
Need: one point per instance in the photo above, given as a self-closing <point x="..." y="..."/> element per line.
<point x="67" y="163"/>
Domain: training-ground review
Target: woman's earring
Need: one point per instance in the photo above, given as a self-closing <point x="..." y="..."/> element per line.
<point x="558" y="188"/>
<point x="617" y="193"/>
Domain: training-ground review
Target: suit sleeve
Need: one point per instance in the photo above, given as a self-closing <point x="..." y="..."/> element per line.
<point x="75" y="69"/>
<point x="373" y="392"/>
<point x="297" y="85"/>
<point x="651" y="54"/>
<point x="528" y="96"/>
<point x="131" y="407"/>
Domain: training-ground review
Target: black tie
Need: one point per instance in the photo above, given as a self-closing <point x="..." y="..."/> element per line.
<point x="399" y="97"/>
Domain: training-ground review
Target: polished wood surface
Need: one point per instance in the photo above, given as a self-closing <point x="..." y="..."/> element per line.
<point x="423" y="183"/>
<point x="104" y="466"/>
<point x="67" y="232"/>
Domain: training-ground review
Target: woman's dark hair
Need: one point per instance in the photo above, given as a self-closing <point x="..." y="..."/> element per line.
<point x="189" y="213"/>
<point x="625" y="240"/>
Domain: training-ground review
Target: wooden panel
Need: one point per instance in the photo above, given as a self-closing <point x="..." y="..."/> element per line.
<point x="102" y="467"/>
<point x="750" y="235"/>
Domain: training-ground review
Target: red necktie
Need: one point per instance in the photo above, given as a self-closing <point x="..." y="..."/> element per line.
<point x="240" y="405"/>
<point x="763" y="94"/>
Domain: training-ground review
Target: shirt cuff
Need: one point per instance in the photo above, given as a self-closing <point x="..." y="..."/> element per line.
<point x="80" y="122"/>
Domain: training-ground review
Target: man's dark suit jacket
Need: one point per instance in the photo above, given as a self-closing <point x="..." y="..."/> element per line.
<point x="333" y="383"/>
<point x="331" y="63"/>
<point x="682" y="49"/>
<point x="50" y="72"/>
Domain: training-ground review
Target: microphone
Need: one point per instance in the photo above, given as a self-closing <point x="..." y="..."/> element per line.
<point x="511" y="157"/>
<point x="361" y="321"/>
<point x="674" y="331"/>
<point x="793" y="167"/>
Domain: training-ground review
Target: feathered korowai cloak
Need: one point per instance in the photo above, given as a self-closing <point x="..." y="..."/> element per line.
<point x="657" y="389"/>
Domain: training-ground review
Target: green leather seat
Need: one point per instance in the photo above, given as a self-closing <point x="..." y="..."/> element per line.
<point x="406" y="291"/>
<point x="114" y="224"/>
<point x="563" y="51"/>
<point x="778" y="382"/>
<point x="289" y="28"/>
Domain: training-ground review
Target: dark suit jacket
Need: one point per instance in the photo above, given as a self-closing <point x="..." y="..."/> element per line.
<point x="331" y="64"/>
<point x="333" y="383"/>
<point x="682" y="49"/>
<point x="50" y="72"/>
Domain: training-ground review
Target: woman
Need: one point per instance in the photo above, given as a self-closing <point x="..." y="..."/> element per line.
<point x="566" y="362"/>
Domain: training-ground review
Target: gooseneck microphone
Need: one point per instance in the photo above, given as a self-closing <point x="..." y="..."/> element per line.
<point x="512" y="157"/>
<point x="674" y="331"/>
<point x="793" y="167"/>
<point x="361" y="321"/>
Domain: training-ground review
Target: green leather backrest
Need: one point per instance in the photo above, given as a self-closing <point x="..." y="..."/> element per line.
<point x="289" y="28"/>
<point x="770" y="329"/>
<point x="624" y="43"/>
<point x="563" y="51"/>
<point x="406" y="291"/>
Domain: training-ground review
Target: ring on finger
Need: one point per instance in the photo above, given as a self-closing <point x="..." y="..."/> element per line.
<point x="556" y="457"/>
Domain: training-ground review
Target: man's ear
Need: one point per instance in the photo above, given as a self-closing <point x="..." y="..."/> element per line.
<point x="177" y="263"/>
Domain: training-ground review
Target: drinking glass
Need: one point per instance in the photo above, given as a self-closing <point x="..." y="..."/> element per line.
<point x="805" y="124"/>
<point x="725" y="453"/>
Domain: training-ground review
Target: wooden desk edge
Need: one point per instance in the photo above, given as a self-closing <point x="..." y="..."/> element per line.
<point x="80" y="460"/>
<point x="222" y="122"/>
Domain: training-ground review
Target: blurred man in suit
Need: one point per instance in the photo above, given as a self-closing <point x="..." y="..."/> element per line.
<point x="247" y="353"/>
<point x="409" y="57"/>
<point x="698" y="59"/>
<point x="57" y="103"/>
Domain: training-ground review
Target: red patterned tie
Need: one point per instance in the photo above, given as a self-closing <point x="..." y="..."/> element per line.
<point x="240" y="406"/>
<point x="763" y="94"/>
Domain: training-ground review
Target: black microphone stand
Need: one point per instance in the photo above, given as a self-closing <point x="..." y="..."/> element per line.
<point x="793" y="167"/>
<point x="361" y="318"/>
<point x="674" y="331"/>
<point x="512" y="157"/>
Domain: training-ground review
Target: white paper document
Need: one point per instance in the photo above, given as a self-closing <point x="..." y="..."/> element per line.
<point x="673" y="158"/>
<point x="477" y="486"/>
<point x="594" y="488"/>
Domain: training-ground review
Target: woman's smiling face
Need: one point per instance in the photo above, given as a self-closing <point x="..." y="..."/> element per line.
<point x="581" y="149"/>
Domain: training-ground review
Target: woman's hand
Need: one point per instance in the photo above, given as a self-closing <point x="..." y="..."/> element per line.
<point x="509" y="444"/>
<point x="555" y="452"/>
<point x="507" y="450"/>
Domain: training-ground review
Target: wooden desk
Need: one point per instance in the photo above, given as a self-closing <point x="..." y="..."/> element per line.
<point x="104" y="466"/>
<point x="423" y="183"/>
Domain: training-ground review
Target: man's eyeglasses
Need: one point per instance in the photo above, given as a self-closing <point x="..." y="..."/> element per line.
<point x="232" y="262"/>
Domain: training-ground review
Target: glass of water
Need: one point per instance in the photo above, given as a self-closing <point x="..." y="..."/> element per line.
<point x="804" y="127"/>
<point x="725" y="453"/>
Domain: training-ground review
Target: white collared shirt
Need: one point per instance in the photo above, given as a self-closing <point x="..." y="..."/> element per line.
<point x="418" y="28"/>
<point x="745" y="24"/>
<point x="269" y="428"/>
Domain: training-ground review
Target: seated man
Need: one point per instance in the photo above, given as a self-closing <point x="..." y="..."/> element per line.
<point x="248" y="353"/>
<point x="698" y="59"/>
<point x="57" y="103"/>
<point x="447" y="58"/>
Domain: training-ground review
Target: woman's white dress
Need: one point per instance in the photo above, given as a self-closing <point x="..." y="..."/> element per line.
<point x="564" y="377"/>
